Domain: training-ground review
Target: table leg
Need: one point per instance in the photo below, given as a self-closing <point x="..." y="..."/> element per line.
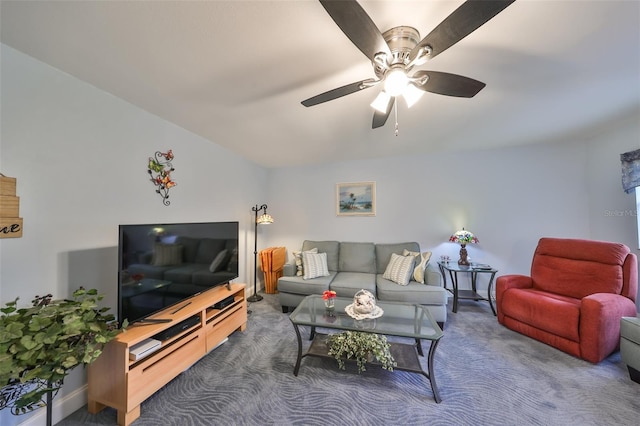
<point x="444" y="275"/>
<point x="489" y="293"/>
<point x="454" y="281"/>
<point x="432" y="377"/>
<point x="299" y="358"/>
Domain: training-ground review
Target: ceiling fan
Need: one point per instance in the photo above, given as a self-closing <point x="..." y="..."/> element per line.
<point x="397" y="51"/>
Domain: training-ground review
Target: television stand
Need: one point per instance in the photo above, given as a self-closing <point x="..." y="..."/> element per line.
<point x="146" y="321"/>
<point x="116" y="381"/>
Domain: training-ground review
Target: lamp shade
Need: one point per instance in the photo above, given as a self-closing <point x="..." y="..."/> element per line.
<point x="265" y="219"/>
<point x="463" y="237"/>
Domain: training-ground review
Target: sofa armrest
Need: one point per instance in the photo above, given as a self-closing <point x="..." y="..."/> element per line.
<point x="432" y="276"/>
<point x="289" y="269"/>
<point x="600" y="315"/>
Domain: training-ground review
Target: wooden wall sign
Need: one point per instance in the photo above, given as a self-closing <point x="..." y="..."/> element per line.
<point x="10" y="222"/>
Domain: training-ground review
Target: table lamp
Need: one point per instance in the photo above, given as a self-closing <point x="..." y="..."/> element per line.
<point x="463" y="238"/>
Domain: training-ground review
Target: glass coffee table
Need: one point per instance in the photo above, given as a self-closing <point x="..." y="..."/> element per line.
<point x="413" y="322"/>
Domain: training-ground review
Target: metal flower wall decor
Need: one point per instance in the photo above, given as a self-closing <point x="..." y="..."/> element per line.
<point x="160" y="169"/>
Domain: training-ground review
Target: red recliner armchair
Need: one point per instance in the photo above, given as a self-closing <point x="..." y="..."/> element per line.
<point x="575" y="297"/>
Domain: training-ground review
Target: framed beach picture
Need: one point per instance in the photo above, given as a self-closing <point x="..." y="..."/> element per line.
<point x="356" y="199"/>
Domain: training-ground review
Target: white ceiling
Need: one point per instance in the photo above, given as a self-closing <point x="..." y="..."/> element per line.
<point x="235" y="72"/>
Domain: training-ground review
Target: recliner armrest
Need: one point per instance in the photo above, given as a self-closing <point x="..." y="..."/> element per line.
<point x="505" y="282"/>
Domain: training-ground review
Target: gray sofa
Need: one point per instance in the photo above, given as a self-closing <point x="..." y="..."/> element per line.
<point x="354" y="266"/>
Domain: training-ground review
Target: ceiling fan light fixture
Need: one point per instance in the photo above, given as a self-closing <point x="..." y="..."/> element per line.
<point x="381" y="102"/>
<point x="412" y="95"/>
<point x="396" y="81"/>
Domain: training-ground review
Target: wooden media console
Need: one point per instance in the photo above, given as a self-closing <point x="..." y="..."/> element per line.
<point x="123" y="384"/>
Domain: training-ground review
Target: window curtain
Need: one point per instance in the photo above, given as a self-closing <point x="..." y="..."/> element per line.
<point x="630" y="170"/>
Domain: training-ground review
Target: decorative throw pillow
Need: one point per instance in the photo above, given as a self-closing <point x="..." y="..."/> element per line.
<point x="297" y="256"/>
<point x="399" y="269"/>
<point x="421" y="262"/>
<point x="167" y="254"/>
<point x="232" y="265"/>
<point x="218" y="261"/>
<point x="315" y="265"/>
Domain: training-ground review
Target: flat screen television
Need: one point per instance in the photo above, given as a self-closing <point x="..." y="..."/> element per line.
<point x="161" y="265"/>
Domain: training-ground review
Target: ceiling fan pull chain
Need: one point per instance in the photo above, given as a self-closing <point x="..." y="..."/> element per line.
<point x="395" y="108"/>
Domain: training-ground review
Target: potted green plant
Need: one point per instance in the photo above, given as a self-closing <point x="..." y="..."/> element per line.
<point x="362" y="347"/>
<point x="41" y="344"/>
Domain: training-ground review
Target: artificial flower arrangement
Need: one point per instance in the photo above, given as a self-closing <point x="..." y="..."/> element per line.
<point x="329" y="297"/>
<point x="329" y="294"/>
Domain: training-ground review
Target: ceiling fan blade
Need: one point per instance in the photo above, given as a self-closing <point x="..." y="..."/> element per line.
<point x="447" y="84"/>
<point x="380" y="118"/>
<point x="467" y="18"/>
<point x="358" y="26"/>
<point x="339" y="92"/>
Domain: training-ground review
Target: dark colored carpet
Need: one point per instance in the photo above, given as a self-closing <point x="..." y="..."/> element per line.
<point x="486" y="374"/>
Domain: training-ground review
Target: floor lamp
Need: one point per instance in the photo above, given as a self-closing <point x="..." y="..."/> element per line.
<point x="264" y="219"/>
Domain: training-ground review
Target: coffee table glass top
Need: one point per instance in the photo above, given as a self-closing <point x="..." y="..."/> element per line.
<point x="399" y="319"/>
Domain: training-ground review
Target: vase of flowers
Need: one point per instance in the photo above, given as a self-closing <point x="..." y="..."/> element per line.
<point x="329" y="297"/>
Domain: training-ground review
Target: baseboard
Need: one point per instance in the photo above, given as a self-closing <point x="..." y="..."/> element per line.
<point x="62" y="407"/>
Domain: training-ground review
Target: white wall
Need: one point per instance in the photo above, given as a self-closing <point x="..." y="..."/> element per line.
<point x="80" y="159"/>
<point x="612" y="212"/>
<point x="509" y="197"/>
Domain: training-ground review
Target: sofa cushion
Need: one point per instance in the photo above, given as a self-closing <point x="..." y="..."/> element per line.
<point x="167" y="254"/>
<point x="399" y="269"/>
<point x="190" y="248"/>
<point x="383" y="253"/>
<point x="347" y="284"/>
<point x="208" y="249"/>
<point x="298" y="285"/>
<point x="421" y="262"/>
<point x="219" y="262"/>
<point x="413" y="292"/>
<point x="332" y="248"/>
<point x="232" y="265"/>
<point x="297" y="259"/>
<point x="315" y="265"/>
<point x="578" y="268"/>
<point x="357" y="257"/>
<point x="183" y="273"/>
<point x="553" y="313"/>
